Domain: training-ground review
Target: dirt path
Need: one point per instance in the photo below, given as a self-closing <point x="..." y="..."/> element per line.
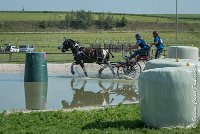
<point x="52" y="68"/>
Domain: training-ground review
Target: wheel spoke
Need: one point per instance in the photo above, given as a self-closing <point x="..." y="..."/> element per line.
<point x="132" y="69"/>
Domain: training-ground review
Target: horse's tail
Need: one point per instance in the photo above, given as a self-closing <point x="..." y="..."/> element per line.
<point x="111" y="54"/>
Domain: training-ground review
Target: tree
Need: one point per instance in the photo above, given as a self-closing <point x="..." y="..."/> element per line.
<point x="82" y="20"/>
<point x="109" y="22"/>
<point x="42" y="24"/>
<point x="100" y="21"/>
<point x="68" y="19"/>
<point x="121" y="23"/>
<point x="124" y="21"/>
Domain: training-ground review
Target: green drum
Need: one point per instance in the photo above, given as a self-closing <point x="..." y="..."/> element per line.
<point x="36" y="67"/>
<point x="36" y="95"/>
<point x="36" y="81"/>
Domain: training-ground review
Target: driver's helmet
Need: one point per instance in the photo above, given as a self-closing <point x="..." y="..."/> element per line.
<point x="138" y="36"/>
<point x="155" y="33"/>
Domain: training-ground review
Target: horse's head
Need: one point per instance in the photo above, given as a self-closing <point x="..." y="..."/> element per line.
<point x="68" y="43"/>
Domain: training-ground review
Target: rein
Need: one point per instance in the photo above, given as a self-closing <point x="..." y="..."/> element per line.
<point x="86" y="55"/>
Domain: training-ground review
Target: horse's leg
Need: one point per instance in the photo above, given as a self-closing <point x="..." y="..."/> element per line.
<point x="100" y="70"/>
<point x="84" y="70"/>
<point x="110" y="67"/>
<point x="72" y="68"/>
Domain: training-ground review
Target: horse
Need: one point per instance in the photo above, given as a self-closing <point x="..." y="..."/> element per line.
<point x="82" y="98"/>
<point x="87" y="55"/>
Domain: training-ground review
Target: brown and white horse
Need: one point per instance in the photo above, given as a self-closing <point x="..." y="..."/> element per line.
<point x="87" y="55"/>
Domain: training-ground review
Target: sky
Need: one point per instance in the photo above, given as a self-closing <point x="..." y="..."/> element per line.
<point x="115" y="6"/>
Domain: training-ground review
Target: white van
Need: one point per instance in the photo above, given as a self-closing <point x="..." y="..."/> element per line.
<point x="14" y="49"/>
<point x="26" y="48"/>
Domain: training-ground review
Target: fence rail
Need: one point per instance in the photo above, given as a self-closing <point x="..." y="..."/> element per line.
<point x="52" y="41"/>
<point x="61" y="57"/>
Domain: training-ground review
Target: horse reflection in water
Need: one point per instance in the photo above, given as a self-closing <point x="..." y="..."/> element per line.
<point x="84" y="98"/>
<point x="129" y="91"/>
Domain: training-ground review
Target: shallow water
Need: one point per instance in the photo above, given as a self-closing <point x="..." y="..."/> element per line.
<point x="64" y="92"/>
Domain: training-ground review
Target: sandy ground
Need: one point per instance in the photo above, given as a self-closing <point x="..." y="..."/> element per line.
<point x="52" y="68"/>
<point x="19" y="68"/>
<point x="64" y="69"/>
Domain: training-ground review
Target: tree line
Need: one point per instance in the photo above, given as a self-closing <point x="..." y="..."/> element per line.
<point x="84" y="20"/>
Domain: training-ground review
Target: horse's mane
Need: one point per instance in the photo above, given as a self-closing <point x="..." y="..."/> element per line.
<point x="71" y="40"/>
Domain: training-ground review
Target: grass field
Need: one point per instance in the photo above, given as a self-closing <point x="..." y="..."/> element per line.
<point x="48" y="41"/>
<point x="39" y="16"/>
<point x="31" y="16"/>
<point x="122" y="119"/>
<point x="85" y="38"/>
<point x="119" y="120"/>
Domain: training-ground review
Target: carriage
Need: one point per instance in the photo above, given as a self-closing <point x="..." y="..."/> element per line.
<point x="101" y="56"/>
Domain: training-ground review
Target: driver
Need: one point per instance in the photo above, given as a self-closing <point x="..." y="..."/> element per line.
<point x="158" y="43"/>
<point x="140" y="42"/>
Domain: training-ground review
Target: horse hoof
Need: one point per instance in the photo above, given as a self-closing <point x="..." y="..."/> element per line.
<point x="85" y="74"/>
<point x="73" y="72"/>
<point x="99" y="74"/>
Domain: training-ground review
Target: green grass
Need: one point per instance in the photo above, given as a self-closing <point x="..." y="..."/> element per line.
<point x="48" y="42"/>
<point x="52" y="16"/>
<point x="169" y="18"/>
<point x="85" y="38"/>
<point x="29" y="21"/>
<point x="122" y="119"/>
<point x="181" y="16"/>
<point x="34" y="16"/>
<point x="144" y="24"/>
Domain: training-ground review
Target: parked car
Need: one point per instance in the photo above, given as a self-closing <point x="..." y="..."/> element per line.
<point x="26" y="48"/>
<point x="14" y="49"/>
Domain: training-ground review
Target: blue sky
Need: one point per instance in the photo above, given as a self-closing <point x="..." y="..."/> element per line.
<point x="118" y="6"/>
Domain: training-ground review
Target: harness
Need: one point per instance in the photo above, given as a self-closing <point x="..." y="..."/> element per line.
<point x="79" y="51"/>
<point x="94" y="54"/>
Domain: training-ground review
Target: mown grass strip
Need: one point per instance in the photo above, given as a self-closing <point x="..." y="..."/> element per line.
<point x="121" y="119"/>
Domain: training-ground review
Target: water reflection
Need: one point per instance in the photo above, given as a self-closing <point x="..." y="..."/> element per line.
<point x="78" y="92"/>
<point x="36" y="95"/>
<point x="109" y="91"/>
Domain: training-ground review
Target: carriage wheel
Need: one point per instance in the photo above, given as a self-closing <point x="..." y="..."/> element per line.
<point x="130" y="69"/>
<point x="136" y="69"/>
<point x="144" y="63"/>
<point x="120" y="70"/>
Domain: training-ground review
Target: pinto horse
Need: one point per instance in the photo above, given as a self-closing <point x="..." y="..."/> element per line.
<point x="87" y="55"/>
<point x="82" y="97"/>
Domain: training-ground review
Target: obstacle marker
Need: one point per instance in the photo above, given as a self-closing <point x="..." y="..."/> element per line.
<point x="36" y="81"/>
<point x="161" y="63"/>
<point x="184" y="52"/>
<point x="170" y="97"/>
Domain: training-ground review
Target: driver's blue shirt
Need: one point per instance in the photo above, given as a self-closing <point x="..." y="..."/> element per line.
<point x="160" y="44"/>
<point x="144" y="45"/>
